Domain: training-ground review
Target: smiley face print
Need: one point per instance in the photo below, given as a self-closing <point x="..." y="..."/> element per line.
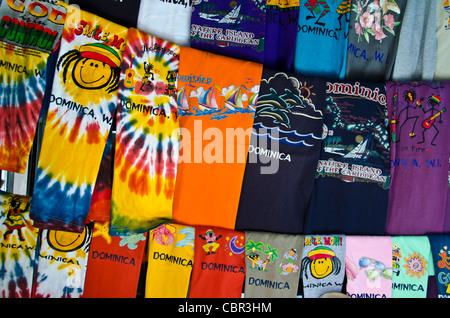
<point x="321" y="262"/>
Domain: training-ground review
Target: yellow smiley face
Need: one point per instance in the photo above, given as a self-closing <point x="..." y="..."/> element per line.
<point x="321" y="267"/>
<point x="91" y="74"/>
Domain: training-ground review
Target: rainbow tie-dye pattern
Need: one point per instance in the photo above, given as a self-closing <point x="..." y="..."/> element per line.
<point x="147" y="141"/>
<point x="82" y="105"/>
<point x="18" y="240"/>
<point x="23" y="61"/>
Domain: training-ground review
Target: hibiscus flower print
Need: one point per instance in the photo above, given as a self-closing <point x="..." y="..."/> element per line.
<point x="373" y="19"/>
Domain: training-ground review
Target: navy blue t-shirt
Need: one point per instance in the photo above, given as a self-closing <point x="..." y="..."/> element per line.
<point x="351" y="187"/>
<point x="283" y="153"/>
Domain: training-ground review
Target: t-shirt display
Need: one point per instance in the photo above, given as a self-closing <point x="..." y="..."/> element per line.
<point x="147" y="141"/>
<point x="18" y="243"/>
<point x="440" y="256"/>
<point x="170" y="261"/>
<point x="29" y="32"/>
<point x="419" y="157"/>
<point x="82" y="105"/>
<point x="351" y="188"/>
<point x="215" y="108"/>
<point x="321" y="41"/>
<point x="442" y="26"/>
<point x="272" y="264"/>
<point x="230" y="28"/>
<point x="283" y="154"/>
<point x="373" y="33"/>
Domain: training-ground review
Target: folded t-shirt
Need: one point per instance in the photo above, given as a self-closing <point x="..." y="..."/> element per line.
<point x="283" y="154"/>
<point x="30" y="31"/>
<point x="147" y="138"/>
<point x="82" y="105"/>
<point x="236" y="29"/>
<point x="419" y="157"/>
<point x="351" y="188"/>
<point x="219" y="264"/>
<point x="215" y="111"/>
<point x="18" y="243"/>
<point x="441" y="263"/>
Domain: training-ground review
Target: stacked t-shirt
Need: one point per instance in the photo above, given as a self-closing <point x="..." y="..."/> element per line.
<point x="440" y="255"/>
<point x="18" y="242"/>
<point x="147" y="141"/>
<point x="419" y="157"/>
<point x="283" y="154"/>
<point x="230" y="28"/>
<point x="374" y="30"/>
<point x="215" y="95"/>
<point x="321" y="40"/>
<point x="31" y="30"/>
<point x="82" y="105"/>
<point x="351" y="189"/>
<point x="281" y="28"/>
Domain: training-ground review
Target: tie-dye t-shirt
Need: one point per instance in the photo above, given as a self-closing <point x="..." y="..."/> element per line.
<point x="24" y="51"/>
<point x="82" y="105"/>
<point x="147" y="141"/>
<point x="62" y="262"/>
<point x="18" y="240"/>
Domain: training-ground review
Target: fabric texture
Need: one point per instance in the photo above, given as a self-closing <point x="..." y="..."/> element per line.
<point x="411" y="257"/>
<point x="233" y="29"/>
<point x="18" y="243"/>
<point x="442" y="69"/>
<point x="374" y="29"/>
<point x="272" y="264"/>
<point x="82" y="105"/>
<point x="321" y="41"/>
<point x="62" y="263"/>
<point x="283" y="154"/>
<point x="169" y="20"/>
<point x="439" y="248"/>
<point x="114" y="264"/>
<point x="216" y="118"/>
<point x="416" y="52"/>
<point x="23" y="81"/>
<point x="219" y="264"/>
<point x="323" y="265"/>
<point x="281" y="29"/>
<point x="368" y="266"/>
<point x="419" y="157"/>
<point x="147" y="141"/>
<point x="351" y="189"/>
<point x="170" y="261"/>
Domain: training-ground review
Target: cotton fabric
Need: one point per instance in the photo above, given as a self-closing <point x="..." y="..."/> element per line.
<point x="439" y="248"/>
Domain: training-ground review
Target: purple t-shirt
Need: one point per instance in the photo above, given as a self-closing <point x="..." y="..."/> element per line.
<point x="229" y="28"/>
<point x="419" y="157"/>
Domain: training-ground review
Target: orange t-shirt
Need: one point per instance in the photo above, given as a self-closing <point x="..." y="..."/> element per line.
<point x="216" y="97"/>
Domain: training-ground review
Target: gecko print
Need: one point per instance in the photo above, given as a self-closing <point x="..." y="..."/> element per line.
<point x="82" y="105"/>
<point x="62" y="262"/>
<point x="23" y="61"/>
<point x="18" y="241"/>
<point x="147" y="141"/>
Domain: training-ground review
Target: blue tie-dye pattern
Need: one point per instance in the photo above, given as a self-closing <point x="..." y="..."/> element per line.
<point x="51" y="203"/>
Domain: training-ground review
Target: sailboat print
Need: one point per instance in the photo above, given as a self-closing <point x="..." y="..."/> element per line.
<point x="233" y="99"/>
<point x="359" y="152"/>
<point x="182" y="100"/>
<point x="232" y="16"/>
<point x="252" y="101"/>
<point x="207" y="99"/>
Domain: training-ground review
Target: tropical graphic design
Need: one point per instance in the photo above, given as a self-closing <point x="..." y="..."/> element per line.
<point x="288" y="97"/>
<point x="375" y="18"/>
<point x="321" y="262"/>
<point x="22" y="81"/>
<point x="231" y="28"/>
<point x="355" y="135"/>
<point x="82" y="105"/>
<point x="147" y="141"/>
<point x="18" y="240"/>
<point x="62" y="262"/>
<point x="260" y="254"/>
